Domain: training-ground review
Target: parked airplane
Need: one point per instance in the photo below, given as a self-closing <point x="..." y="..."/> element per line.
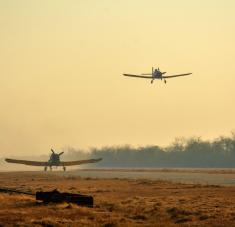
<point x="156" y="74"/>
<point x="53" y="161"/>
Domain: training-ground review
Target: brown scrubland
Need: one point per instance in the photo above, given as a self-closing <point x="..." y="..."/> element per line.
<point x="117" y="202"/>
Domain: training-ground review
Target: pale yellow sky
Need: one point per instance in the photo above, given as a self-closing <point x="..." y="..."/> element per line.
<point x="61" y="64"/>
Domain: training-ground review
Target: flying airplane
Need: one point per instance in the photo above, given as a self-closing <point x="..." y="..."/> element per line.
<point x="156" y="74"/>
<point x="53" y="161"/>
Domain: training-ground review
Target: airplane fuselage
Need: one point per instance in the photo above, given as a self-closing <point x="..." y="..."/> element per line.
<point x="54" y="160"/>
<point x="157" y="74"/>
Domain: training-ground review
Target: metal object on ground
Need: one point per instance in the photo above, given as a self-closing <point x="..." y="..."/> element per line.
<point x="56" y="197"/>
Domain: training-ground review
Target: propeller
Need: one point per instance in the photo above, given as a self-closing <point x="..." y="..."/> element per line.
<point x="61" y="153"/>
<point x="52" y="151"/>
<point x="152" y="70"/>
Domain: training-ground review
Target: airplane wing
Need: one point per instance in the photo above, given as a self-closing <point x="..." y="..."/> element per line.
<point x="72" y="163"/>
<point x="186" y="74"/>
<point x="25" y="162"/>
<point x="139" y="76"/>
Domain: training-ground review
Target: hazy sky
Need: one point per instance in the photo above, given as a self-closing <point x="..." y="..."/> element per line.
<point x="61" y="65"/>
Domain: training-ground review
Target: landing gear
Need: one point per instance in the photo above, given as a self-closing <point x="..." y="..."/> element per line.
<point x="64" y="168"/>
<point x="152" y="81"/>
<point x="165" y="81"/>
<point x="50" y="168"/>
<point x="45" y="168"/>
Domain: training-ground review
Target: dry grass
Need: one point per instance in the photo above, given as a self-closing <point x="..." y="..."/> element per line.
<point x="118" y="202"/>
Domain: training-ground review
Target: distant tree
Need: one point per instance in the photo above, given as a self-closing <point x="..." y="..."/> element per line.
<point x="182" y="152"/>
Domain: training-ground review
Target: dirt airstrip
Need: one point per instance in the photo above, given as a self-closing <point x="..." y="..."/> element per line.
<point x="118" y="202"/>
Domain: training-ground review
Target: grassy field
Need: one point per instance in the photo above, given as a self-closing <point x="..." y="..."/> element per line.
<point x="118" y="202"/>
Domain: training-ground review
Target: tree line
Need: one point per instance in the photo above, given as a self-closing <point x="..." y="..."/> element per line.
<point x="192" y="152"/>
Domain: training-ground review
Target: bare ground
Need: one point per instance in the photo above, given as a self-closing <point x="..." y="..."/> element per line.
<point x="118" y="202"/>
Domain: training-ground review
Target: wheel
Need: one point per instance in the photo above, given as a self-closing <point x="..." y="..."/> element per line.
<point x="45" y="168"/>
<point x="64" y="168"/>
